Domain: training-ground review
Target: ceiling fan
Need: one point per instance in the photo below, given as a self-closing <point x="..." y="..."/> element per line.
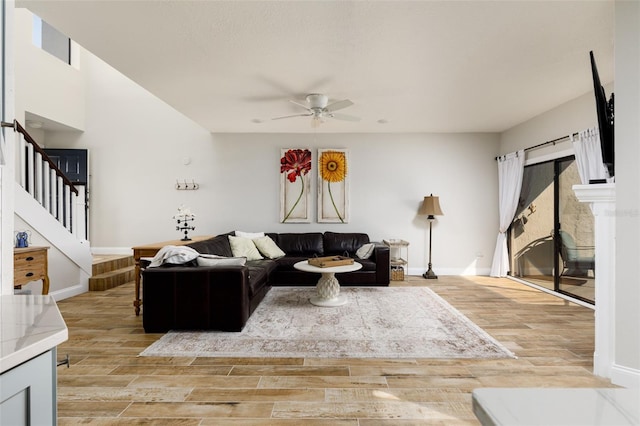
<point x="318" y="108"/>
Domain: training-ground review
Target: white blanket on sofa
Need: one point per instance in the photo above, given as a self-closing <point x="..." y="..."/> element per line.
<point x="173" y="254"/>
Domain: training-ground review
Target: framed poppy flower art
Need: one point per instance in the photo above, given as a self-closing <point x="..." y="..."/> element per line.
<point x="333" y="185"/>
<point x="295" y="184"/>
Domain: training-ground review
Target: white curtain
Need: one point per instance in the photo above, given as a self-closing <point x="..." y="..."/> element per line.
<point x="589" y="156"/>
<point x="510" y="171"/>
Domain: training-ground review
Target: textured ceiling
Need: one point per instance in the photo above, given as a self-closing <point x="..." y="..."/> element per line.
<point x="417" y="66"/>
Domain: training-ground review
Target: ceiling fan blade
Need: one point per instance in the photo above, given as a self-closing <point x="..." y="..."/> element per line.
<point x="299" y="104"/>
<point x="344" y="117"/>
<point x="339" y="105"/>
<point x="294" y="115"/>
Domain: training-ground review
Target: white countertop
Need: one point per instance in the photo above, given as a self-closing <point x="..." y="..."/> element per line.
<point x="553" y="406"/>
<point x="29" y="326"/>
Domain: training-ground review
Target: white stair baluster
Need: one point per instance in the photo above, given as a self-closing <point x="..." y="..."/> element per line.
<point x="30" y="177"/>
<point x="60" y="195"/>
<point x="54" y="194"/>
<point x="37" y="176"/>
<point x="46" y="184"/>
<point x="67" y="207"/>
<point x="74" y="214"/>
<point x="22" y="161"/>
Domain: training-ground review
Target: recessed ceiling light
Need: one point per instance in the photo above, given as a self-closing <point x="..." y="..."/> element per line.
<point x="256" y="120"/>
<point x="383" y="121"/>
<point x="34" y="124"/>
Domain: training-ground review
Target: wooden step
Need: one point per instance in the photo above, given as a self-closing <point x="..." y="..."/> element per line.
<point x="111" y="279"/>
<point x="110" y="271"/>
<point x="107" y="263"/>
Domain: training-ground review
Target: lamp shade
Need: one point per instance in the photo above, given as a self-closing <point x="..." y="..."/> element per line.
<point x="430" y="206"/>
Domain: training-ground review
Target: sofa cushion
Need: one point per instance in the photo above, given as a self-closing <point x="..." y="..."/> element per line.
<point x="341" y="242"/>
<point x="250" y="235"/>
<point x="217" y="245"/>
<point x="215" y="260"/>
<point x="244" y="247"/>
<point x="259" y="273"/>
<point x="286" y="263"/>
<point x="365" y="251"/>
<point x="268" y="248"/>
<point x="301" y="244"/>
<point x="367" y="265"/>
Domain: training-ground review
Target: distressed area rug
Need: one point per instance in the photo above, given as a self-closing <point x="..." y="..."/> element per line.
<point x="389" y="322"/>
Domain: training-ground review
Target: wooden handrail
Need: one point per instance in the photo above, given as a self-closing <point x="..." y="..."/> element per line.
<point x="18" y="128"/>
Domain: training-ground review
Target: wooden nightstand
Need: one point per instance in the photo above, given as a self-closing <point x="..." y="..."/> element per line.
<point x="30" y="264"/>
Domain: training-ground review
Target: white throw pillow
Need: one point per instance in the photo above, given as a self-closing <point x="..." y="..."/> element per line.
<point x="268" y="247"/>
<point x="244" y="247"/>
<point x="213" y="260"/>
<point x="365" y="251"/>
<point x="250" y="235"/>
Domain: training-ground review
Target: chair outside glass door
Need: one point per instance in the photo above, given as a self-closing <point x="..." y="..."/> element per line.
<point x="551" y="237"/>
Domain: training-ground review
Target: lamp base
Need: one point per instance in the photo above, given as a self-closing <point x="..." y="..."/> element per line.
<point x="430" y="275"/>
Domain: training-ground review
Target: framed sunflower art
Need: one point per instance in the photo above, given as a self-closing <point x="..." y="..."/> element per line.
<point x="295" y="185"/>
<point x="333" y="185"/>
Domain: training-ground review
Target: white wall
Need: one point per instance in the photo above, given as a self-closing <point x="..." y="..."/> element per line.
<point x="47" y="86"/>
<point x="7" y="140"/>
<point x="137" y="146"/>
<point x="64" y="276"/>
<point x="627" y="295"/>
<point x="568" y="118"/>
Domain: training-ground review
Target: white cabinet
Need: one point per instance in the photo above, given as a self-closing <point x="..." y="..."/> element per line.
<point x="28" y="392"/>
<point x="32" y="328"/>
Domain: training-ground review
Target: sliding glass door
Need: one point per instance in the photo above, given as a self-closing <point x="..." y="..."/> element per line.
<point x="551" y="237"/>
<point x="576" y="256"/>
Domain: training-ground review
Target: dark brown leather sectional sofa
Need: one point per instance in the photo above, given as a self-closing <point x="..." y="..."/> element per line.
<point x="223" y="297"/>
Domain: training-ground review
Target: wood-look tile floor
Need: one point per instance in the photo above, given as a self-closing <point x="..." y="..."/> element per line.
<point x="108" y="383"/>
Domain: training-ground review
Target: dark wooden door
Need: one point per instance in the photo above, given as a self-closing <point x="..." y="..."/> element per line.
<point x="72" y="162"/>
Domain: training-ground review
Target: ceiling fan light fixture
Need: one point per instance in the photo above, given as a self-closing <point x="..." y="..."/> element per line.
<point x="318" y="108"/>
<point x="317" y="100"/>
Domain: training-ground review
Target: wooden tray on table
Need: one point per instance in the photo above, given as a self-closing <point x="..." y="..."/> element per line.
<point x="329" y="261"/>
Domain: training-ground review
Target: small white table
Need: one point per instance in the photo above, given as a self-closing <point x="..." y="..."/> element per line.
<point x="328" y="287"/>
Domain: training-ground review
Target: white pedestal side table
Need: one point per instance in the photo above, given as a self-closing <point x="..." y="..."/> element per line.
<point x="328" y="287"/>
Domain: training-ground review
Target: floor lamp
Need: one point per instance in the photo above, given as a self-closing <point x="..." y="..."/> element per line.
<point x="431" y="208"/>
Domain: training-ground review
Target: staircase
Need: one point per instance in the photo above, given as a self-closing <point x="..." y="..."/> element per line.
<point x="111" y="271"/>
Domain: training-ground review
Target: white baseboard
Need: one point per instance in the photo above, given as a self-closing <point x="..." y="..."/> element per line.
<point x="111" y="250"/>
<point x="68" y="292"/>
<point x="452" y="271"/>
<point x="625" y="376"/>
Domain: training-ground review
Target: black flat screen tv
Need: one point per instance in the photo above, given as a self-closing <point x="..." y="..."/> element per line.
<point x="604" y="109"/>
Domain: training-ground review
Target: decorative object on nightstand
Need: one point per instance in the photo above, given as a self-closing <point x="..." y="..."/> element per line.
<point x="183" y="217"/>
<point x="22" y="239"/>
<point x="431" y="208"/>
<point x="398" y="263"/>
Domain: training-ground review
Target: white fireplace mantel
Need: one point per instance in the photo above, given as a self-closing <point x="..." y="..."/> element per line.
<point x="603" y="201"/>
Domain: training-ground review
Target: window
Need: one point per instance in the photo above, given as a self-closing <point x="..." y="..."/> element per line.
<point x="51" y="40"/>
